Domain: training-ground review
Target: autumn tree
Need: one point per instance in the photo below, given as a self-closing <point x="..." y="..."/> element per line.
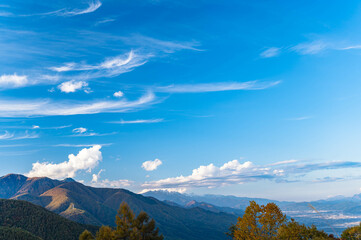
<point x="269" y="223"/>
<point x="86" y="235"/>
<point x="128" y="227"/>
<point x="352" y="233"/>
<point x="259" y="222"/>
<point x="292" y="230"/>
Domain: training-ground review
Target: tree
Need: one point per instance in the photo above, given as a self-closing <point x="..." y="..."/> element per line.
<point x="86" y="235"/>
<point x="259" y="222"/>
<point x="295" y="231"/>
<point x="269" y="223"/>
<point x="352" y="233"/>
<point x="128" y="227"/>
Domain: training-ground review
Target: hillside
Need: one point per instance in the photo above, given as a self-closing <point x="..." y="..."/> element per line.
<point x="21" y="218"/>
<point x="12" y="233"/>
<point x="98" y="206"/>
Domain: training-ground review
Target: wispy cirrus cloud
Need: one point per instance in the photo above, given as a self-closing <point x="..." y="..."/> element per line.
<point x="299" y="118"/>
<point x="45" y="107"/>
<point x="93" y="5"/>
<point x="270" y="52"/>
<point x="81" y="145"/>
<point x="310" y="48"/>
<point x="138" y="121"/>
<point x="16" y="136"/>
<point x="111" y="67"/>
<point x="216" y="87"/>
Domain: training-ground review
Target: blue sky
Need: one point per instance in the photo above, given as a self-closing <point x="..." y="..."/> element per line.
<point x="258" y="99"/>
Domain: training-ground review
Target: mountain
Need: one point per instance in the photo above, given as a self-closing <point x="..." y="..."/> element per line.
<point x="333" y="213"/>
<point x="24" y="220"/>
<point x="98" y="206"/>
<point x="13" y="233"/>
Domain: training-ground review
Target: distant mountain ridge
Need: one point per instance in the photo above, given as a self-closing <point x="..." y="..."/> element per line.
<point x="339" y="211"/>
<point x="98" y="206"/>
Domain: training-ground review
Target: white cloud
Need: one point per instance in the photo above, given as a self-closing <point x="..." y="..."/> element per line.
<point x="12" y="136"/>
<point x="270" y="52"/>
<point x="35" y="127"/>
<point x="106" y="183"/>
<point x="110" y="67"/>
<point x="65" y="68"/>
<point x="139" y="121"/>
<point x="45" y="107"/>
<point x="73" y="86"/>
<point x="284" y="162"/>
<point x="216" y="87"/>
<point x="234" y="172"/>
<point x="87" y="159"/>
<point x="160" y="45"/>
<point x="310" y="48"/>
<point x="118" y="94"/>
<point x="92" y="7"/>
<point x="96" y="177"/>
<point x="13" y="81"/>
<point x="80" y="130"/>
<point x="151" y="165"/>
<point x="6" y="135"/>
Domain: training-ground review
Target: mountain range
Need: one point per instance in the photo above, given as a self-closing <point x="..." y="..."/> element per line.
<point x="98" y="206"/>
<point x="332" y="215"/>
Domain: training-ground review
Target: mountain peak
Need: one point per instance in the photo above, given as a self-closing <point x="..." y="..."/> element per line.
<point x="69" y="180"/>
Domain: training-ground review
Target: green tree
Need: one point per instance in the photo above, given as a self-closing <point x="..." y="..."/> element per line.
<point x="292" y="230"/>
<point x="259" y="222"/>
<point x="128" y="227"/>
<point x="86" y="235"/>
<point x="352" y="233"/>
<point x="105" y="233"/>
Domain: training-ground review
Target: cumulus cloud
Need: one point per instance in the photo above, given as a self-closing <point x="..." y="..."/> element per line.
<point x="216" y="87"/>
<point x="86" y="159"/>
<point x="13" y="81"/>
<point x="45" y="107"/>
<point x="118" y="94"/>
<point x="96" y="177"/>
<point x="73" y="86"/>
<point x="151" y="165"/>
<point x="270" y="52"/>
<point x="235" y="172"/>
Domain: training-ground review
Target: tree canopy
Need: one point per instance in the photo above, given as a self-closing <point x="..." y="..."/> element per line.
<point x="129" y="227"/>
<point x="267" y="222"/>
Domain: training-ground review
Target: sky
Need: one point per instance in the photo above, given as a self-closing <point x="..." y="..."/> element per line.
<point x="246" y="98"/>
